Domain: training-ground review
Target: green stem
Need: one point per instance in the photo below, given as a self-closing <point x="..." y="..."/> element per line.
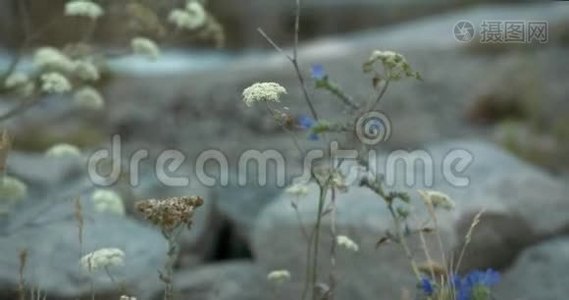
<point x="314" y="279"/>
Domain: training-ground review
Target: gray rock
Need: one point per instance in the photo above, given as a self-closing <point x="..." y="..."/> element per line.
<point x="235" y="280"/>
<point x="51" y="238"/>
<point x="539" y="273"/>
<point x="523" y="205"/>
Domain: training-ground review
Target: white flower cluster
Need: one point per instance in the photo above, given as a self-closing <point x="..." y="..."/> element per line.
<point x="55" y="83"/>
<point x="63" y="151"/>
<point x="102" y="259"/>
<point x="125" y="297"/>
<point x="298" y="190"/>
<point x="107" y="201"/>
<point x="394" y="64"/>
<point x="88" y="98"/>
<point x="192" y="17"/>
<point x="263" y="92"/>
<point x="347" y="243"/>
<point x="12" y="188"/>
<point x="146" y="47"/>
<point x="83" y="8"/>
<point x="279" y="276"/>
<point x="52" y="59"/>
<point x="437" y="199"/>
<point x="21" y="83"/>
<point x="86" y="70"/>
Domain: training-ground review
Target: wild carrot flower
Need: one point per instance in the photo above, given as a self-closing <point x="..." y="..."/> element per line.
<point x="146" y="47"/>
<point x="83" y="8"/>
<point x="63" y="150"/>
<point x="263" y="92"/>
<point x="86" y="70"/>
<point x="347" y="243"/>
<point x="16" y="80"/>
<point x="169" y="214"/>
<point x="193" y="17"/>
<point x="395" y="64"/>
<point x="55" y="83"/>
<point x="89" y="98"/>
<point x="279" y="276"/>
<point x="124" y="297"/>
<point x="12" y="188"/>
<point x="52" y="59"/>
<point x="298" y="190"/>
<point x="107" y="201"/>
<point x="102" y="258"/>
<point x="437" y="199"/>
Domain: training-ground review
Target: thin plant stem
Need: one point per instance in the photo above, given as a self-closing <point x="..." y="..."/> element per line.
<point x="332" y="279"/>
<point x="401" y="240"/>
<point x="380" y="96"/>
<point x="316" y="241"/>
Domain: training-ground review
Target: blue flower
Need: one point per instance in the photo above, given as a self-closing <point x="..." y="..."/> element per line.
<point x="318" y="72"/>
<point x="427" y="286"/>
<point x="488" y="278"/>
<point x="475" y="280"/>
<point x="306" y="123"/>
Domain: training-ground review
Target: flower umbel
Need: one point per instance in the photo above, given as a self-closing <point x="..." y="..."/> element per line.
<point x="12" y="188"/>
<point x="83" y="8"/>
<point x="437" y="199"/>
<point x="102" y="258"/>
<point x="394" y="64"/>
<point x="63" y="151"/>
<point x="347" y="243"/>
<point x="279" y="276"/>
<point x="89" y="98"/>
<point x="146" y="47"/>
<point x="298" y="190"/>
<point x="170" y="213"/>
<point x="55" y="83"/>
<point x="263" y="92"/>
<point x="107" y="201"/>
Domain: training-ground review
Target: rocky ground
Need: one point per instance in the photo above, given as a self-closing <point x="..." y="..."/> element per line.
<point x="518" y="175"/>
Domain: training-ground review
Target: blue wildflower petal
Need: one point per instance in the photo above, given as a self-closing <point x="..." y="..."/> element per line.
<point x="313" y="136"/>
<point x="427" y="286"/>
<point x="305" y="122"/>
<point x="318" y="72"/>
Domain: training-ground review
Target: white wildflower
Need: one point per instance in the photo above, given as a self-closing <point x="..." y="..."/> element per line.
<point x="146" y="47"/>
<point x="298" y="190"/>
<point x="395" y="64"/>
<point x="347" y="243"/>
<point x="63" y="151"/>
<point x="437" y="199"/>
<point x="102" y="259"/>
<point x="55" y="83"/>
<point x="53" y="59"/>
<point x="12" y="188"/>
<point x="86" y="70"/>
<point x="83" y="8"/>
<point x="193" y="17"/>
<point x="89" y="98"/>
<point x="279" y="276"/>
<point x="107" y="201"/>
<point x="16" y="80"/>
<point x="263" y="91"/>
<point x="125" y="297"/>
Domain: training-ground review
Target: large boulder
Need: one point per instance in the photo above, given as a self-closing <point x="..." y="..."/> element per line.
<point x="522" y="204"/>
<point x="239" y="280"/>
<point x="50" y="235"/>
<point x="539" y="273"/>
